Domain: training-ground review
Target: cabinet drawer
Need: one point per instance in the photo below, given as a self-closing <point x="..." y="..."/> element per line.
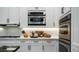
<point x="35" y="42"/>
<point x="36" y="48"/>
<point x="49" y="42"/>
<point x="50" y="48"/>
<point x="23" y="48"/>
<point x="25" y="42"/>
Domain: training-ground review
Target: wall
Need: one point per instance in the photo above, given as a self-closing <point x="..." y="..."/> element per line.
<point x="10" y="31"/>
<point x="54" y="32"/>
<point x="75" y="30"/>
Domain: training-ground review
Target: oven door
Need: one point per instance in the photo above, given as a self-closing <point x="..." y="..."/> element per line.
<point x="64" y="31"/>
<point x="65" y="37"/>
<point x="36" y="20"/>
<point x="64" y="47"/>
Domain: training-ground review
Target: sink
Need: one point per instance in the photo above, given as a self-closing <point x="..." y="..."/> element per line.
<point x="9" y="48"/>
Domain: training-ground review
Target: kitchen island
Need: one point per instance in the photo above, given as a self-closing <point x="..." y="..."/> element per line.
<point x="32" y="44"/>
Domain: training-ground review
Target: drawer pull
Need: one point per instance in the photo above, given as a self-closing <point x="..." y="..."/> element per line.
<point x="29" y="47"/>
<point x="43" y="47"/>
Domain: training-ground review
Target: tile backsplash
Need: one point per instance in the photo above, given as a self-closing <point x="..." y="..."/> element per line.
<point x="10" y="31"/>
<point x="54" y="32"/>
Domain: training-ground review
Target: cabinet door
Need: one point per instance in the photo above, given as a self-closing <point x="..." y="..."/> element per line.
<point x="36" y="45"/>
<point x="36" y="48"/>
<point x="50" y="45"/>
<point x="14" y="15"/>
<point x="3" y="15"/>
<point x="23" y="48"/>
<point x="50" y="48"/>
<point x="24" y="16"/>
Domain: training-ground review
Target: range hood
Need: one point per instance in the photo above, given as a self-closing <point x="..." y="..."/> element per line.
<point x="9" y="48"/>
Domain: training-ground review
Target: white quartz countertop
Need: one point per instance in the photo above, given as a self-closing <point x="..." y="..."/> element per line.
<point x="27" y="38"/>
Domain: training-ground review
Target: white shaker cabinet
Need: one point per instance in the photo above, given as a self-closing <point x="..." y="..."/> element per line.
<point x="36" y="48"/>
<point x="27" y="46"/>
<point x="35" y="45"/>
<point x="23" y="17"/>
<point x="50" y="48"/>
<point x="14" y="15"/>
<point x="4" y="15"/>
<point x="23" y="48"/>
<point x="50" y="45"/>
<point x="9" y="15"/>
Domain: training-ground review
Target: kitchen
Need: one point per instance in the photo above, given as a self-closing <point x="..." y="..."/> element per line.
<point x="39" y="29"/>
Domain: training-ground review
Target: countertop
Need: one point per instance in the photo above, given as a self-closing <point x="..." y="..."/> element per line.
<point x="27" y="41"/>
<point x="27" y="38"/>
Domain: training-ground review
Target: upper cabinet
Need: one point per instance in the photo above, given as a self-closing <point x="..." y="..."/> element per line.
<point x="14" y="15"/>
<point x="9" y="15"/>
<point x="4" y="13"/>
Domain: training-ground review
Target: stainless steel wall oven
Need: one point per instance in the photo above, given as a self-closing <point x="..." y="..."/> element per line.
<point x="65" y="33"/>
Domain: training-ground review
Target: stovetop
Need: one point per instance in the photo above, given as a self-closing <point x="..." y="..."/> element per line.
<point x="9" y="48"/>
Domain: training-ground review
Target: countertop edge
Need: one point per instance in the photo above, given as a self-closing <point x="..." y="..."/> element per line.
<point x="27" y="38"/>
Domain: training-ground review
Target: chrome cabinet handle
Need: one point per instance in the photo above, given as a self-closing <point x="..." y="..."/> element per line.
<point x="43" y="47"/>
<point x="29" y="47"/>
<point x="8" y="20"/>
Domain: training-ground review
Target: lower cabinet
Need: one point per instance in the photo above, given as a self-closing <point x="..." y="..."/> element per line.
<point x="36" y="48"/>
<point x="30" y="48"/>
<point x="23" y="48"/>
<point x="50" y="48"/>
<point x="35" y="45"/>
<point x="45" y="48"/>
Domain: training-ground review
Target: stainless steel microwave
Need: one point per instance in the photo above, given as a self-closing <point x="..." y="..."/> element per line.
<point x="37" y="17"/>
